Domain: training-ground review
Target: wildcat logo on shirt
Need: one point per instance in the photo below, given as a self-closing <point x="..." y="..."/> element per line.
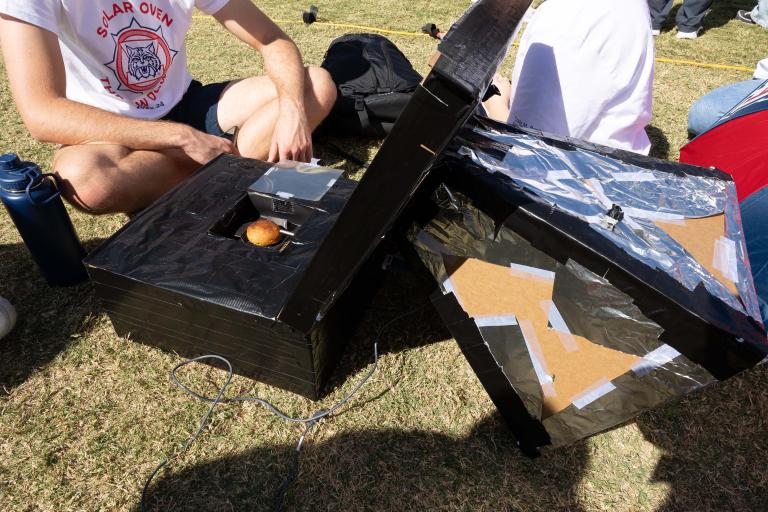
<point x="141" y="60"/>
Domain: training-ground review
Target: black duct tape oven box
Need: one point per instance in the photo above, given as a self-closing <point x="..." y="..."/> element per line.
<point x="583" y="284"/>
<point x="181" y="277"/>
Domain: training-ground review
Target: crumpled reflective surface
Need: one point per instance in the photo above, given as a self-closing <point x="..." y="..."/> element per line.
<point x="612" y="342"/>
<point x="592" y="308"/>
<point x="587" y="184"/>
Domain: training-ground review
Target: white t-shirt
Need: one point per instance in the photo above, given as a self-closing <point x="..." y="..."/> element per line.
<point x="126" y="57"/>
<point x="761" y="71"/>
<point x="585" y="69"/>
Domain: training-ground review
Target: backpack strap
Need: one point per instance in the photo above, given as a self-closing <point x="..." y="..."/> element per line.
<point x="362" y="113"/>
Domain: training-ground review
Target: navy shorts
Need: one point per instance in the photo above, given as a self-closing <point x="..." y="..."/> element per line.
<point x="198" y="108"/>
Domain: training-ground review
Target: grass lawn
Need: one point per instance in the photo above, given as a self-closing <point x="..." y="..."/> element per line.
<point x="85" y="416"/>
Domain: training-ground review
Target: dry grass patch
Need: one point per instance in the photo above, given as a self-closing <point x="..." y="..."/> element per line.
<point x="84" y="416"/>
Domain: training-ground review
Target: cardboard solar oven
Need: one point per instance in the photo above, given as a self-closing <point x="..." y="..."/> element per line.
<point x="180" y="275"/>
<point x="583" y="284"/>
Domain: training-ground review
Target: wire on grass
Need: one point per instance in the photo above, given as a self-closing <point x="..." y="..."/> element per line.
<point x="310" y="422"/>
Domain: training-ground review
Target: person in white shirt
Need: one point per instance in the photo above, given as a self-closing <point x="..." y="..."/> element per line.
<point x="708" y="109"/>
<point x="583" y="71"/>
<point x="108" y="81"/>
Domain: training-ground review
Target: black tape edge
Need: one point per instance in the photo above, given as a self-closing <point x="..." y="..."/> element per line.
<point x="722" y="340"/>
<point x="529" y="431"/>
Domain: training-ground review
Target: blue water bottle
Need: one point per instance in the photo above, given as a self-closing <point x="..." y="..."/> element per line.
<point x="34" y="203"/>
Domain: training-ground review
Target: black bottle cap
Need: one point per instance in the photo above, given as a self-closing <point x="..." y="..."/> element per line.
<point x="9" y="162"/>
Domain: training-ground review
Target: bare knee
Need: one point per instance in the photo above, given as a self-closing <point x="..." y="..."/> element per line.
<point x="85" y="184"/>
<point x="497" y="107"/>
<point x="322" y="88"/>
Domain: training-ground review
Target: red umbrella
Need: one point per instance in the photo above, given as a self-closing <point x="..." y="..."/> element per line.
<point x="737" y="144"/>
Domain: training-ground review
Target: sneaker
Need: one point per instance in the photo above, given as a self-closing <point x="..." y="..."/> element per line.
<point x="656" y="32"/>
<point x="7" y="317"/>
<point x="745" y="16"/>
<point x="687" y="35"/>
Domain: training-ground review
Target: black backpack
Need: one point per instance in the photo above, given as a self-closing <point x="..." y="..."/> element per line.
<point x="374" y="80"/>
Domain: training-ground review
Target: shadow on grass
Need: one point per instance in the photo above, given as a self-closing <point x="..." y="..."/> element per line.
<point x="402" y="301"/>
<point x="659" y="143"/>
<point x="384" y="470"/>
<point x="723" y="12"/>
<point x="715" y="445"/>
<point x="48" y="318"/>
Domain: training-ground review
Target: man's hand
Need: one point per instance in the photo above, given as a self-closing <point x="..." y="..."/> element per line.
<point x="201" y="147"/>
<point x="292" y="139"/>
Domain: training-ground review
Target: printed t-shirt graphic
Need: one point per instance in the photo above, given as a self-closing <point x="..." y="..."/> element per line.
<point x="141" y="60"/>
<point x="125" y="57"/>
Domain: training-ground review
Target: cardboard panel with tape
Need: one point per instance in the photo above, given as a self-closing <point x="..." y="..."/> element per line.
<point x="586" y="284"/>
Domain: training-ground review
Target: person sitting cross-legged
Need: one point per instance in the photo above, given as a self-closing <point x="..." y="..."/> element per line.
<point x="108" y="81"/>
<point x="708" y="109"/>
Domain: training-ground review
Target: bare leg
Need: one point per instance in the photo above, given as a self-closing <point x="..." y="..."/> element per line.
<point x="107" y="178"/>
<point x="252" y="105"/>
<point x="497" y="107"/>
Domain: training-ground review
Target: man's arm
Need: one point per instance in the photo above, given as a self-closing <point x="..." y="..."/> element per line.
<point x="292" y="139"/>
<point x="35" y="70"/>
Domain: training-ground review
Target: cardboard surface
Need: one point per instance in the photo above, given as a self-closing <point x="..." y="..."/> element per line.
<point x="574" y="365"/>
<point x="700" y="238"/>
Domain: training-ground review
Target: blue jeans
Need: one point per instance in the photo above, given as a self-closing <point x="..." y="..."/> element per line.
<point x="689" y="17"/>
<point x="760" y="13"/>
<point x="712" y="106"/>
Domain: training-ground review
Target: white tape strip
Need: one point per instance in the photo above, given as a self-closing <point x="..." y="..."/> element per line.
<point x="560" y="175"/>
<point x="284" y="195"/>
<point x="633" y="176"/>
<point x="495" y="321"/>
<point x="726" y="259"/>
<point x="518" y="151"/>
<point x="594" y="219"/>
<point x="558" y="324"/>
<point x="537" y="272"/>
<point x="595" y="393"/>
<point x="656" y="359"/>
<point x="537" y="357"/>
<point x="448" y="287"/>
<point x="652" y="215"/>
